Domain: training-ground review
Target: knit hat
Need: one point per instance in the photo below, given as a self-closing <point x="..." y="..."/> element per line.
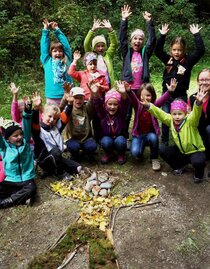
<point x="9" y="127"/>
<point x="137" y="32"/>
<point x="112" y="94"/>
<point x="89" y="56"/>
<point x="77" y="91"/>
<point x="98" y="39"/>
<point x="179" y="104"/>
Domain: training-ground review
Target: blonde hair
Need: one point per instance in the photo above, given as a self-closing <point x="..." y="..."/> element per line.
<point x="51" y="108"/>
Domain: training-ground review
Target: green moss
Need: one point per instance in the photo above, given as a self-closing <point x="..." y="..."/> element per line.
<point x="101" y="251"/>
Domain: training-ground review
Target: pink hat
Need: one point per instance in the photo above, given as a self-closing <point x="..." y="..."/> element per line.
<point x="112" y="94"/>
<point x="179" y="104"/>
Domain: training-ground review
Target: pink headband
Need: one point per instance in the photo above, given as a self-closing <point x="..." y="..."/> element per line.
<point x="179" y="105"/>
<point x="112" y="94"/>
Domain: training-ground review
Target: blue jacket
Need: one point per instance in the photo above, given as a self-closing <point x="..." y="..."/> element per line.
<point x="55" y="70"/>
<point x="18" y="160"/>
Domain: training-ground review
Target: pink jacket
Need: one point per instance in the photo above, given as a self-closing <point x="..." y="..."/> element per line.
<point x="84" y="77"/>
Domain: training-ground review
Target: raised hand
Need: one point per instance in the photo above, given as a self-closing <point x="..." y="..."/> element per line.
<point x="165" y="29"/>
<point x="94" y="86"/>
<point x="67" y="87"/>
<point x="121" y="86"/>
<point x="201" y="94"/>
<point x="172" y="86"/>
<point x="106" y="24"/>
<point x="125" y="12"/>
<point x="53" y="25"/>
<point x="36" y="100"/>
<point x="96" y="24"/>
<point x="147" y="16"/>
<point x="13" y="88"/>
<point x="45" y="23"/>
<point x="144" y="102"/>
<point x="77" y="55"/>
<point x="194" y="29"/>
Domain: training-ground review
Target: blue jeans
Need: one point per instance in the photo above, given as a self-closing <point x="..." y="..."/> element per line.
<point x="139" y="142"/>
<point x="89" y="146"/>
<point x="118" y="144"/>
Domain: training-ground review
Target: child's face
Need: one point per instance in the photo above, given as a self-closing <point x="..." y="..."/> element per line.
<point x="78" y="101"/>
<point x="57" y="54"/>
<point x="50" y="118"/>
<point x="178" y="116"/>
<point x="99" y="48"/>
<point x="137" y="42"/>
<point x="16" y="138"/>
<point x="146" y="95"/>
<point x="177" y="51"/>
<point x="92" y="66"/>
<point x="112" y="106"/>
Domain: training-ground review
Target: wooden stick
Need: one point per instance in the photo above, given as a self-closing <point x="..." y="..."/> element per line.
<point x="69" y="257"/>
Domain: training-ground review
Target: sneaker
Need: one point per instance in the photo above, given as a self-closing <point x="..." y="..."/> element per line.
<point x="7" y="202"/>
<point x="155" y="164"/>
<point x="197" y="180"/>
<point x="105" y="158"/>
<point x="178" y="172"/>
<point x="121" y="159"/>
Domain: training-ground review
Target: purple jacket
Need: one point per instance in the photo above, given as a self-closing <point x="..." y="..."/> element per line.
<point x="112" y="126"/>
<point x="138" y="107"/>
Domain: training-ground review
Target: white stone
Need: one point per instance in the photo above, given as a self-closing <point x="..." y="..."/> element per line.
<point x="92" y="177"/>
<point x="106" y="185"/>
<point x="103" y="192"/>
<point x="89" y="185"/>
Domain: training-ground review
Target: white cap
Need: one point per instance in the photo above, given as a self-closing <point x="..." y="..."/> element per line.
<point x="77" y="91"/>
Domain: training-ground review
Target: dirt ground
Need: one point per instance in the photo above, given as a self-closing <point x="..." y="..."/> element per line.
<point x="172" y="234"/>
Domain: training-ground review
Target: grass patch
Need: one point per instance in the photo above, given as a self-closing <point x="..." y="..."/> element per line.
<point x="101" y="251"/>
<point x="196" y="239"/>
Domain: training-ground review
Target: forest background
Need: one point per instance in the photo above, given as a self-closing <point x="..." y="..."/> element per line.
<point x="21" y="25"/>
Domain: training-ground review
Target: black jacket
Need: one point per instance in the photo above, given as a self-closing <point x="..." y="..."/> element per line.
<point x="187" y="62"/>
<point x="126" y="51"/>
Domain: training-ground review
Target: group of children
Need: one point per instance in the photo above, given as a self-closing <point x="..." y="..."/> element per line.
<point x="99" y="110"/>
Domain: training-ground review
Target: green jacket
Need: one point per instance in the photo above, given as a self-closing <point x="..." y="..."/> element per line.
<point x="188" y="139"/>
<point x="109" y="53"/>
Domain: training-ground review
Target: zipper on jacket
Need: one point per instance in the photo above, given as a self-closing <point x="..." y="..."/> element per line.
<point x="20" y="170"/>
<point x="180" y="142"/>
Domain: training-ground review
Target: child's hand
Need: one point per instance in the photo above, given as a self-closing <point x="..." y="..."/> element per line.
<point x="67" y="87"/>
<point x="68" y="95"/>
<point x="77" y="55"/>
<point x="121" y="86"/>
<point x="106" y="24"/>
<point x="54" y="25"/>
<point x="94" y="86"/>
<point x="14" y="89"/>
<point x="144" y="102"/>
<point x="147" y="16"/>
<point x="201" y="94"/>
<point x="194" y="29"/>
<point x="165" y="29"/>
<point x="36" y="100"/>
<point x="96" y="24"/>
<point x="127" y="86"/>
<point x="125" y="12"/>
<point x="45" y="23"/>
<point x="172" y="86"/>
